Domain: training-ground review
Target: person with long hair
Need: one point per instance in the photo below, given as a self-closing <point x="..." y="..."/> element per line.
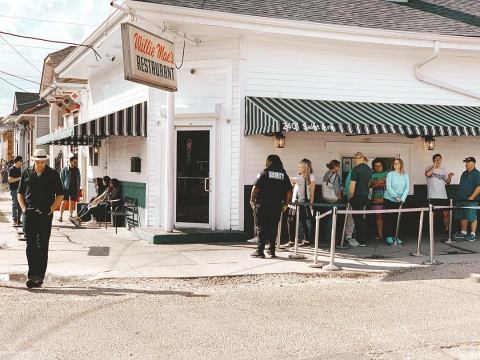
<point x="377" y="185"/>
<point x="270" y="196"/>
<point x="304" y="192"/>
<point x="396" y="191"/>
<point x="332" y="184"/>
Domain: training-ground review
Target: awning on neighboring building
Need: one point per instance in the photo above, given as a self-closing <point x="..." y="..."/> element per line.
<point x="270" y="115"/>
<point x="131" y="121"/>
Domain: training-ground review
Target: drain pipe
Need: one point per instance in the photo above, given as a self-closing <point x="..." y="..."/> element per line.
<point x="442" y="85"/>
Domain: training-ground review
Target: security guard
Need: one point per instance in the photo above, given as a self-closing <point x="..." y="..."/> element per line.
<point x="270" y="196"/>
<point x="39" y="193"/>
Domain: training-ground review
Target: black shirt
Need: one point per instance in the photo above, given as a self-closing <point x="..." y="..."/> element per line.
<point x="40" y="191"/>
<point x="361" y="175"/>
<point x="274" y="184"/>
<point x="14" y="172"/>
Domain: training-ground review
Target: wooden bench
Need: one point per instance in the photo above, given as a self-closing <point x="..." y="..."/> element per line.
<point x="128" y="209"/>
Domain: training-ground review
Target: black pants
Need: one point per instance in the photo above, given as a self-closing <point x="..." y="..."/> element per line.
<point x="37" y="229"/>
<point x="390" y="220"/>
<point x="267" y="216"/>
<point x="98" y="212"/>
<point x="303" y="223"/>
<point x="358" y="219"/>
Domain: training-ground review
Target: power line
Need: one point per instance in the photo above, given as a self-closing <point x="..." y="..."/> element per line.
<point x="19" y="53"/>
<point x="97" y="55"/>
<point x="45" y="20"/>
<point x="12" y="84"/>
<point x="19" y="77"/>
<point x="31" y="46"/>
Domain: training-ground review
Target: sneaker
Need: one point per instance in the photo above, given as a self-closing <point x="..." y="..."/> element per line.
<point x="75" y="222"/>
<point x="389" y="240"/>
<point x="399" y="242"/>
<point x="31" y="283"/>
<point x="91" y="222"/>
<point x="60" y="219"/>
<point x="287" y="245"/>
<point x="258" y="254"/>
<point x="253" y="241"/>
<point x="271" y="253"/>
<point x="459" y="236"/>
<point x="471" y="237"/>
<point x="353" y="242"/>
<point x="304" y="243"/>
<point x="361" y="244"/>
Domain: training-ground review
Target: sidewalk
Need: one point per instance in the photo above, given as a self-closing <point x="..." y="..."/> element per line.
<point x="99" y="253"/>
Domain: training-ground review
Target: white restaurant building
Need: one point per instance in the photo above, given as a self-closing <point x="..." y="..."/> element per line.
<point x="373" y="76"/>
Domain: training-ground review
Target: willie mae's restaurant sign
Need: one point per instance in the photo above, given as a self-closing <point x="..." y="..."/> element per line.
<point x="148" y="59"/>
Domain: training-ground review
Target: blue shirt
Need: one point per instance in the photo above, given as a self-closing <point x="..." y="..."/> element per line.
<point x="469" y="181"/>
<point x="397" y="185"/>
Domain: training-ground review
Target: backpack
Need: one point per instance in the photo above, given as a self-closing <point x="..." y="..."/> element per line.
<point x="328" y="190"/>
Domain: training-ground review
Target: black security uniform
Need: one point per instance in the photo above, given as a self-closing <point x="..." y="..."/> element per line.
<point x="274" y="184"/>
<point x="39" y="193"/>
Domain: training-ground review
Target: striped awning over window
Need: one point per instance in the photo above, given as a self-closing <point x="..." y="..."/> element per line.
<point x="131" y="121"/>
<point x="270" y="115"/>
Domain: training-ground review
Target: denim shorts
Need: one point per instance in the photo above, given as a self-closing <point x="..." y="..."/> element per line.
<point x="468" y="214"/>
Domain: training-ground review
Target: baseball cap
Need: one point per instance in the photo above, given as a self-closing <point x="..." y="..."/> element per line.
<point x="470" y="159"/>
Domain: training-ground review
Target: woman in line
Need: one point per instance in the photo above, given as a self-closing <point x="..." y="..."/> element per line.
<point x="303" y="192"/>
<point x="396" y="191"/>
<point x="332" y="184"/>
<point x="378" y="185"/>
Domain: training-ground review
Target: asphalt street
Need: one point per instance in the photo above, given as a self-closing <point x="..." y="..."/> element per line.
<point x="429" y="313"/>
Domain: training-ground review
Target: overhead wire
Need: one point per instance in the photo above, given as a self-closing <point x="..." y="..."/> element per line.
<point x="15" y="86"/>
<point x="19" y="77"/>
<point x="19" y="53"/>
<point x="46" y="20"/>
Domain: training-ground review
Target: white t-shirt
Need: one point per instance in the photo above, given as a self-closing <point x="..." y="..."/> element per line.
<point x="299" y="188"/>
<point x="436" y="183"/>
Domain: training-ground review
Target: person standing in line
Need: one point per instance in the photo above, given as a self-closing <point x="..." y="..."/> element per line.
<point x="396" y="192"/>
<point x="70" y="176"/>
<point x="358" y="193"/>
<point x="437" y="178"/>
<point x="467" y="196"/>
<point x="350" y="225"/>
<point x="14" y="176"/>
<point x="378" y="185"/>
<point x="39" y="193"/>
<point x="332" y="183"/>
<point x="270" y="196"/>
<point x="304" y="192"/>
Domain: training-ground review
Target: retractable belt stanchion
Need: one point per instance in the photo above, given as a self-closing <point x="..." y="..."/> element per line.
<point x="450" y="222"/>
<point x="296" y="255"/>
<point x="420" y="234"/>
<point x="279" y="232"/>
<point x="317" y="235"/>
<point x="431" y="261"/>
<point x="342" y="241"/>
<point x="399" y="218"/>
<point x="331" y="266"/>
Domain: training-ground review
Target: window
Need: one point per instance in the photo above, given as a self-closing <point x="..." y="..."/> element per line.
<point x="93" y="153"/>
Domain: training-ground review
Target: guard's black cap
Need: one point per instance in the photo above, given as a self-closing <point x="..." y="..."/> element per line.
<point x="470" y="159"/>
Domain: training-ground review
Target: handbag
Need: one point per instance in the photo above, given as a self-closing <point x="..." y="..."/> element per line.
<point x="328" y="190"/>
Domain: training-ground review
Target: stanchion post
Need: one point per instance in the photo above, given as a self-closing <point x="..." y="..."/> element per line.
<point x="397" y="230"/>
<point x="296" y="255"/>
<point x="420" y="233"/>
<point x="331" y="266"/>
<point x="450" y="222"/>
<point x="431" y="261"/>
<point x="342" y="241"/>
<point x="279" y="231"/>
<point x="317" y="235"/>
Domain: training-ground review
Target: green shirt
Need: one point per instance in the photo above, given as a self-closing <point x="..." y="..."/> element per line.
<point x="378" y="185"/>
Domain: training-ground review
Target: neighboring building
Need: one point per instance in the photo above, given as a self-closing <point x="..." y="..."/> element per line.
<point x="333" y="77"/>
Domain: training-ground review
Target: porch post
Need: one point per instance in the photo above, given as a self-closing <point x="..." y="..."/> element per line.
<point x="170" y="157"/>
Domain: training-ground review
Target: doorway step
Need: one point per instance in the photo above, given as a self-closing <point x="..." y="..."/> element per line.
<point x="187" y="236"/>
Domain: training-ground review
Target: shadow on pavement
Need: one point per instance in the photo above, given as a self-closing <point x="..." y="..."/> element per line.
<point x="435" y="272"/>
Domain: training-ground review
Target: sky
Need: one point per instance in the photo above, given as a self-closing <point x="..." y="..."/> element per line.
<point x="88" y="13"/>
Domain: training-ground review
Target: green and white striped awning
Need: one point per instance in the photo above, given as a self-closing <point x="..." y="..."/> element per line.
<point x="271" y="115"/>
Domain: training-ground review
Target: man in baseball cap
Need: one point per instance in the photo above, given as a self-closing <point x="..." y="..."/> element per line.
<point x="467" y="196"/>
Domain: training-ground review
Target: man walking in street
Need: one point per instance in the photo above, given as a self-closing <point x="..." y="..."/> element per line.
<point x="467" y="196"/>
<point x="70" y="176"/>
<point x="270" y="196"/>
<point x="39" y="193"/>
<point x="437" y="178"/>
<point x="359" y="190"/>
<point x="14" y="176"/>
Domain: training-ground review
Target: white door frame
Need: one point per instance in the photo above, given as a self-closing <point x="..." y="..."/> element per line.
<point x="208" y="125"/>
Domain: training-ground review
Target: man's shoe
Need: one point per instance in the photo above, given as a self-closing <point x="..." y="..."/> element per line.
<point x="271" y="253"/>
<point x="287" y="245"/>
<point x="361" y="244"/>
<point x="353" y="242"/>
<point x="60" y="219"/>
<point x="459" y="236"/>
<point x="253" y="241"/>
<point x="304" y="243"/>
<point x="258" y="254"/>
<point x="75" y="222"/>
<point x="471" y="237"/>
<point x="34" y="283"/>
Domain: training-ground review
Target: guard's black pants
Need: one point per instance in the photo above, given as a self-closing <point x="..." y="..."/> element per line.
<point x="358" y="219"/>
<point x="267" y="216"/>
<point x="37" y="229"/>
<point x="302" y="226"/>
